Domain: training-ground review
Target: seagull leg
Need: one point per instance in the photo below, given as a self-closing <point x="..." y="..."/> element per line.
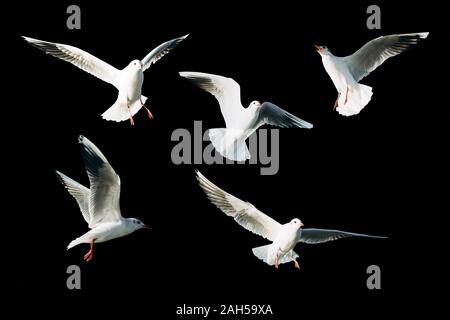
<point x="131" y="116"/>
<point x="337" y="100"/>
<point x="297" y="265"/>
<point x="150" y="115"/>
<point x="88" y="256"/>
<point x="346" y="96"/>
<point x="276" y="261"/>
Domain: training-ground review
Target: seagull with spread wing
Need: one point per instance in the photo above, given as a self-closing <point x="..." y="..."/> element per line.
<point x="128" y="81"/>
<point x="346" y="72"/>
<point x="240" y="122"/>
<point x="284" y="237"/>
<point x="99" y="204"/>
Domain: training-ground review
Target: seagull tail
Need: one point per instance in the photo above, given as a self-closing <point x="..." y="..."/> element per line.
<point x="261" y="252"/>
<point x="227" y="145"/>
<point x="358" y="97"/>
<point x="75" y="242"/>
<point x="265" y="255"/>
<point x="119" y="111"/>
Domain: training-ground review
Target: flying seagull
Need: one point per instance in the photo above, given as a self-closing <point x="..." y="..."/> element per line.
<point x="99" y="205"/>
<point x="240" y="122"/>
<point x="346" y="72"/>
<point x="128" y="80"/>
<point x="284" y="237"/>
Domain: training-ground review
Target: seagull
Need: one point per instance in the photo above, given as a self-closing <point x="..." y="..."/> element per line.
<point x="99" y="205"/>
<point x="128" y="81"/>
<point x="284" y="237"/>
<point x="240" y="122"/>
<point x="346" y="72"/>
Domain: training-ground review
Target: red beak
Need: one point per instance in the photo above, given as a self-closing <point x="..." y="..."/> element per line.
<point x="318" y="48"/>
<point x="146" y="227"/>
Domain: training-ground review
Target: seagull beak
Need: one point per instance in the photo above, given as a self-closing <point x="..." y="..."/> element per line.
<point x="318" y="48"/>
<point x="301" y="224"/>
<point x="146" y="227"/>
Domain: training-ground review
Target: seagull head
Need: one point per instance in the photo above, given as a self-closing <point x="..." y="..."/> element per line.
<point x="322" y="50"/>
<point x="137" y="224"/>
<point x="136" y="64"/>
<point x="297" y="223"/>
<point x="255" y="104"/>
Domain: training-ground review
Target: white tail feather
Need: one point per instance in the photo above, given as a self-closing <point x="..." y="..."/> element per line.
<point x="227" y="145"/>
<point x="358" y="97"/>
<point x="74" y="243"/>
<point x="119" y="110"/>
<point x="263" y="254"/>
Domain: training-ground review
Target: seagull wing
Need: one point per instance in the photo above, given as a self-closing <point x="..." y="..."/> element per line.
<point x="378" y="50"/>
<point x="274" y="115"/>
<point x="313" y="236"/>
<point x="243" y="212"/>
<point x="79" y="192"/>
<point x="82" y="59"/>
<point x="160" y="51"/>
<point x="226" y="90"/>
<point x="104" y="182"/>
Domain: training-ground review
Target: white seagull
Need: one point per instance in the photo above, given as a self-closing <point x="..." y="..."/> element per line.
<point x="346" y="72"/>
<point x="99" y="204"/>
<point x="240" y="122"/>
<point x="128" y="81"/>
<point x="284" y="237"/>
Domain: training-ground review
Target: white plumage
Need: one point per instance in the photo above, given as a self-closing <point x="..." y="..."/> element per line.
<point x="128" y="81"/>
<point x="346" y="72"/>
<point x="100" y="204"/>
<point x="284" y="237"/>
<point x="240" y="122"/>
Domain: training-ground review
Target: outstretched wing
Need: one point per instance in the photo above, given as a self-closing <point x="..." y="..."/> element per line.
<point x="82" y="59"/>
<point x="275" y="116"/>
<point x="243" y="212"/>
<point x="160" y="51"/>
<point x="79" y="192"/>
<point x="378" y="50"/>
<point x="104" y="184"/>
<point x="313" y="236"/>
<point x="226" y="90"/>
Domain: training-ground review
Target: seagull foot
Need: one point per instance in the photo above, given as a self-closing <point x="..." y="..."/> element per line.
<point x="131" y="116"/>
<point x="297" y="265"/>
<point x="88" y="256"/>
<point x="150" y="115"/>
<point x="337" y="101"/>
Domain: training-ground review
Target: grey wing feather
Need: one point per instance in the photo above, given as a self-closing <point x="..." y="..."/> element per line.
<point x="79" y="192"/>
<point x="104" y="201"/>
<point x="243" y="212"/>
<point x="160" y="51"/>
<point x="313" y="236"/>
<point x="79" y="58"/>
<point x="226" y="90"/>
<point x="273" y="115"/>
<point x="378" y="50"/>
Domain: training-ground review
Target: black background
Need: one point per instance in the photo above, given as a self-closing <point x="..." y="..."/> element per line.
<point x="364" y="173"/>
